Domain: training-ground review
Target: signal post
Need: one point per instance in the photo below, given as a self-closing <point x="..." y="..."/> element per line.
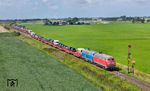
<point x="129" y="57"/>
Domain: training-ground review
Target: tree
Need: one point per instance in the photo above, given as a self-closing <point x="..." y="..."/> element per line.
<point x="75" y="19"/>
<point x="133" y="21"/>
<point x="72" y="21"/>
<point x="55" y="23"/>
<point x="143" y="20"/>
<point x="47" y="22"/>
<point x="138" y="20"/>
<point x="148" y="20"/>
<point x="123" y="18"/>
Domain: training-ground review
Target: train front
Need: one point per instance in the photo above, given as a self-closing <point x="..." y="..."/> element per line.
<point x="111" y="63"/>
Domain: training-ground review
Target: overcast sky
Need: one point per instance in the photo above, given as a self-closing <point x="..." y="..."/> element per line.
<point x="12" y="9"/>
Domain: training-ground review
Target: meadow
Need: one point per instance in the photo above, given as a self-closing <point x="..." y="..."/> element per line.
<point x="35" y="70"/>
<point x="99" y="77"/>
<point x="112" y="39"/>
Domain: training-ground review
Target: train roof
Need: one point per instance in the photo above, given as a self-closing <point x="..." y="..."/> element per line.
<point x="103" y="56"/>
<point x="89" y="51"/>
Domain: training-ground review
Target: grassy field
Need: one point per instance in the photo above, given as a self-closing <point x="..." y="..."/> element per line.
<point x="110" y="38"/>
<point x="35" y="70"/>
<point x="97" y="76"/>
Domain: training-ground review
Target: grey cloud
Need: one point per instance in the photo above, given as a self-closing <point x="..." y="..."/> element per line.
<point x="63" y="8"/>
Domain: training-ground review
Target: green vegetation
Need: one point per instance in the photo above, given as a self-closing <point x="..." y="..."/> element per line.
<point x="35" y="70"/>
<point x="110" y="38"/>
<point x="99" y="77"/>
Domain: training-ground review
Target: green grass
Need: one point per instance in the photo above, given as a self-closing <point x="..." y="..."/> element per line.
<point x="35" y="70"/>
<point x="94" y="74"/>
<point x="111" y="39"/>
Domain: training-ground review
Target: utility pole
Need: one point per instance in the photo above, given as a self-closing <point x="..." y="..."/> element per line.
<point x="129" y="57"/>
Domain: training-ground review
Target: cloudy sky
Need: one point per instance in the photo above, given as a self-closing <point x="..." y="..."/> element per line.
<point x="12" y="9"/>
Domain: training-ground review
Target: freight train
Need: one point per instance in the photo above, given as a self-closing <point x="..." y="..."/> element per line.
<point x="103" y="60"/>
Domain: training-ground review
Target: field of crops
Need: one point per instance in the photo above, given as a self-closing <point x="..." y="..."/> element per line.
<point x="35" y="70"/>
<point x="110" y="38"/>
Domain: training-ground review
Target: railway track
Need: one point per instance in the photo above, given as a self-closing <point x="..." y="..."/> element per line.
<point x="144" y="86"/>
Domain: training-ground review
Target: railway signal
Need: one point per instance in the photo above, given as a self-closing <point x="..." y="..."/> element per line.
<point x="129" y="57"/>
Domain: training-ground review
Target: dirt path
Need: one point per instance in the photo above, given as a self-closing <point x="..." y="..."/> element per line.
<point x="2" y="29"/>
<point x="144" y="86"/>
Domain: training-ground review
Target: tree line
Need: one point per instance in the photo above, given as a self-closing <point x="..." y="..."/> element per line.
<point x="80" y="21"/>
<point x="66" y="21"/>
